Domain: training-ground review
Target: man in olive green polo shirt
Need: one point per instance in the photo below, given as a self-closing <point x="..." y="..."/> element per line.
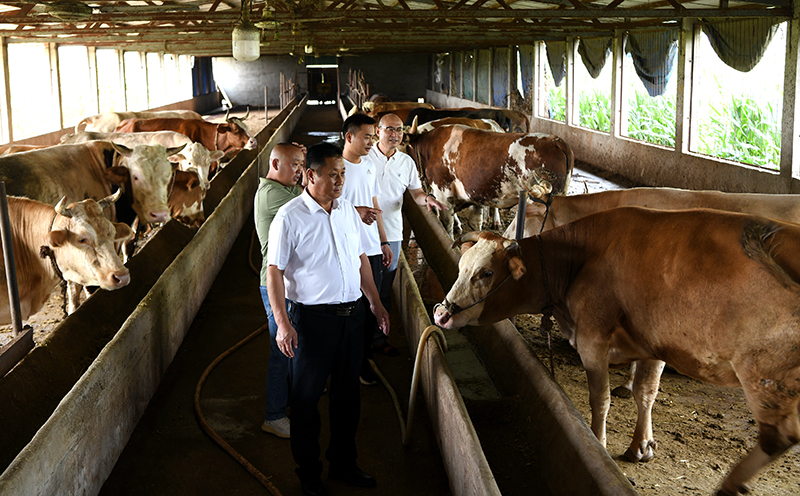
<point x="286" y="163"/>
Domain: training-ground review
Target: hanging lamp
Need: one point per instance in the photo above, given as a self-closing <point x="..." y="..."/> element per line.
<point x="246" y="37"/>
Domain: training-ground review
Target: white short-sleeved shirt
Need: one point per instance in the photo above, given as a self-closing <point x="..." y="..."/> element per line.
<point x="318" y="252"/>
<point x="396" y="174"/>
<point x="360" y="185"/>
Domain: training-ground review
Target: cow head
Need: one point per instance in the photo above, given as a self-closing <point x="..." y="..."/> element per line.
<point x="488" y="263"/>
<point x="186" y="198"/>
<point x="537" y="209"/>
<point x="237" y="133"/>
<point x="82" y="240"/>
<point x="149" y="172"/>
<point x="197" y="157"/>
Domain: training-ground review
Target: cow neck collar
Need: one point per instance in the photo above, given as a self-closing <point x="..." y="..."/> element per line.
<point x="47" y="252"/>
<point x="546" y="213"/>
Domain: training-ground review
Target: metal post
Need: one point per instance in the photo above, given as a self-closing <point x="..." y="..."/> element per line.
<point x="521" y="206"/>
<point x="8" y="256"/>
<point x="266" y="105"/>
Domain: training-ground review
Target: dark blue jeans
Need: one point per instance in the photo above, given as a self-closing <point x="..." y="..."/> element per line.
<point x="277" y="368"/>
<point x="328" y="346"/>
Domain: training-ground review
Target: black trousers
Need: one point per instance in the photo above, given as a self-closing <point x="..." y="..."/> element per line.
<point x="328" y="345"/>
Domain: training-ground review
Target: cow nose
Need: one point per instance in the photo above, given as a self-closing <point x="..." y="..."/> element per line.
<point x="159" y="216"/>
<point x="441" y="315"/>
<point x="120" y="278"/>
<point x="251" y="144"/>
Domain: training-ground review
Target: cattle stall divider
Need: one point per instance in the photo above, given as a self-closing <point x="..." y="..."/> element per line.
<point x="78" y="446"/>
<point x="564" y="445"/>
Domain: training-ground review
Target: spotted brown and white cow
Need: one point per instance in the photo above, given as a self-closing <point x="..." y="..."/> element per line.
<point x="108" y="121"/>
<point x="81" y="240"/>
<point x="194" y="156"/>
<point x="714" y="294"/>
<point x="467" y="166"/>
<point x="93" y="170"/>
<point x="484" y="124"/>
<point x="186" y="195"/>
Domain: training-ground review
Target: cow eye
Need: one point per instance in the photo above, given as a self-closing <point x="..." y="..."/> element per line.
<point x="487" y="273"/>
<point x="83" y="241"/>
<point x="135" y="178"/>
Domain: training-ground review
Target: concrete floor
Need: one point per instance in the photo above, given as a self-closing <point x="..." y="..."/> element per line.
<point x="169" y="453"/>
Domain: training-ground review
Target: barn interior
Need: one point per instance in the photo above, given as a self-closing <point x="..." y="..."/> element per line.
<point x="318" y="59"/>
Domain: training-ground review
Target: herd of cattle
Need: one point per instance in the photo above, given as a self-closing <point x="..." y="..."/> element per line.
<point x="119" y="169"/>
<point x="706" y="281"/>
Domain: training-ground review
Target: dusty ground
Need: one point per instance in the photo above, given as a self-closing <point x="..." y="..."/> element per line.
<point x="702" y="430"/>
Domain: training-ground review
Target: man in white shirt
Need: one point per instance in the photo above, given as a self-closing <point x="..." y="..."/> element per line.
<point x="396" y="173"/>
<point x="317" y="261"/>
<point x="361" y="189"/>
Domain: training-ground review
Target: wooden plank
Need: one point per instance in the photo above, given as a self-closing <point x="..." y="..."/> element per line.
<point x="16" y="350"/>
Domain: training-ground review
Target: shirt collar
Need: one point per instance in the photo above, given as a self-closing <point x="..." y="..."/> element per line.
<point x="312" y="204"/>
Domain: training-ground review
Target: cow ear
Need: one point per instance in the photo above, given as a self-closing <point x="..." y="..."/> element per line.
<point x="118" y="174"/>
<point x="466" y="246"/>
<point x="193" y="182"/>
<point x="123" y="232"/>
<point x="216" y="155"/>
<point x="57" y="238"/>
<point x="176" y="158"/>
<point x="121" y="149"/>
<point x="517" y="267"/>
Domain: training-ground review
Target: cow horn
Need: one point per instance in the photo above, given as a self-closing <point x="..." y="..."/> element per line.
<point x="110" y="199"/>
<point x="510" y="245"/>
<point x="414" y="126"/>
<point x="61" y="208"/>
<point x="247" y="114"/>
<point x="227" y="113"/>
<point x="470" y="237"/>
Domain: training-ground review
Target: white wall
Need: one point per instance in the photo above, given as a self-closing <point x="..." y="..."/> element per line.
<point x="244" y="82"/>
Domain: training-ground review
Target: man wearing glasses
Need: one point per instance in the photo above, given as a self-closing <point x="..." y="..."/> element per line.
<point x="396" y="174"/>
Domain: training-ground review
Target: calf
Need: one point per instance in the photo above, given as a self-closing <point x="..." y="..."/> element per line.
<point x="108" y="121"/>
<point x="81" y="240"/>
<point x="186" y="197"/>
<point x="633" y="284"/>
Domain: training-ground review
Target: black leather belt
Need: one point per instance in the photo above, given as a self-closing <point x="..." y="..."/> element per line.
<point x="339" y="309"/>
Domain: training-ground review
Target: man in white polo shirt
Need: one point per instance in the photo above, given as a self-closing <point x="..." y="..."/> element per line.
<point x="361" y="189"/>
<point x="396" y="173"/>
<point x="317" y="260"/>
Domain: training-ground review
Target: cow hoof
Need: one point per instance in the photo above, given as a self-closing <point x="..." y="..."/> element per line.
<point x="644" y="453"/>
<point x="621" y="392"/>
<point x="727" y="491"/>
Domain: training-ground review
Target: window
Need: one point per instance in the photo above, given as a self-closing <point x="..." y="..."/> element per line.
<point x="552" y="97"/>
<point x="111" y="89"/>
<point x="737" y="115"/>
<point x="157" y="92"/>
<point x="78" y="97"/>
<point x="592" y="98"/>
<point x="644" y="117"/>
<point x="33" y="105"/>
<point x="135" y="81"/>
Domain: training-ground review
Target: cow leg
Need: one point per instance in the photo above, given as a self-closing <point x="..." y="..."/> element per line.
<point x="475" y="217"/>
<point x="73" y="297"/>
<point x="447" y="218"/>
<point x="624" y="391"/>
<point x="645" y="390"/>
<point x="775" y="408"/>
<point x="496" y="222"/>
<point x="595" y="362"/>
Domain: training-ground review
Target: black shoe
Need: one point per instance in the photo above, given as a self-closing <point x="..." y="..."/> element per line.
<point x="353" y="476"/>
<point x="313" y="487"/>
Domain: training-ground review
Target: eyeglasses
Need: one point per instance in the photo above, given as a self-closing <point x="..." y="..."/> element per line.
<point x="393" y="130"/>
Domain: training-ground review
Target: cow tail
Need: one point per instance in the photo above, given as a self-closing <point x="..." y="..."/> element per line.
<point x="759" y="244"/>
<point x="570" y="156"/>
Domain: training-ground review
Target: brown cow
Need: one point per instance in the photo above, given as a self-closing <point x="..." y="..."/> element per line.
<point x="565" y="209"/>
<point x="186" y="198"/>
<point x="466" y="166"/>
<point x="511" y="121"/>
<point x="81" y="240"/>
<point x="108" y="121"/>
<point x="712" y="293"/>
<point x="484" y="124"/>
<point x="229" y="137"/>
